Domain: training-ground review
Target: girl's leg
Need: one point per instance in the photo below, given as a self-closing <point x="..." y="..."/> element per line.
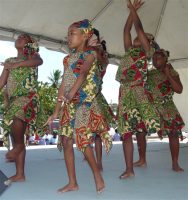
<point x="128" y="149"/>
<point x="70" y="165"/>
<point x="141" y="143"/>
<point x="18" y="152"/>
<point x="96" y="172"/>
<point x="174" y="149"/>
<point x="18" y="129"/>
<point x="98" y="151"/>
<point x="20" y="165"/>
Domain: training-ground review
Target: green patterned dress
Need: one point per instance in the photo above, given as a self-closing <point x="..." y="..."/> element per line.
<point x="135" y="113"/>
<point x="162" y="94"/>
<point x="22" y="94"/>
<point x="88" y="113"/>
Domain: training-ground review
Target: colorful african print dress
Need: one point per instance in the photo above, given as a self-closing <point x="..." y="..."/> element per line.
<point x="22" y="95"/>
<point x="88" y="113"/>
<point x="162" y="93"/>
<point x="135" y="112"/>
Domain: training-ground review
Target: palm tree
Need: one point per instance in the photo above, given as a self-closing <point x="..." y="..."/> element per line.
<point x="55" y="78"/>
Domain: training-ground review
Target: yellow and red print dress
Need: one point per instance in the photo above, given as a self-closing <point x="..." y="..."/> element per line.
<point x="22" y="94"/>
<point x="135" y="113"/>
<point x="162" y="94"/>
<point x="88" y="113"/>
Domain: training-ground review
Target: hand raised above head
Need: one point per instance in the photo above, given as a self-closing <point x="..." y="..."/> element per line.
<point x="137" y="4"/>
<point x="129" y="4"/>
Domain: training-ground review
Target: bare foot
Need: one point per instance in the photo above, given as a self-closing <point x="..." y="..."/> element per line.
<point x="68" y="188"/>
<point x="177" y="168"/>
<point x="12" y="154"/>
<point x="15" y="178"/>
<point x="126" y="175"/>
<point x="140" y="163"/>
<point x="99" y="184"/>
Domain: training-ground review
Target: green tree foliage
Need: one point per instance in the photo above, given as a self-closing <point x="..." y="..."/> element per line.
<point x="1" y="103"/>
<point x="55" y="78"/>
<point x="47" y="95"/>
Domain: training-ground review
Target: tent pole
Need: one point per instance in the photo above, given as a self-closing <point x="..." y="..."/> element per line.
<point x="161" y="18"/>
<point x="102" y="10"/>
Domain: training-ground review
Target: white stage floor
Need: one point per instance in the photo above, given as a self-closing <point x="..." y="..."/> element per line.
<point x="45" y="172"/>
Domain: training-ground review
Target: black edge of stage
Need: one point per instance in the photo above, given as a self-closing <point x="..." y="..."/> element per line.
<point x="3" y="178"/>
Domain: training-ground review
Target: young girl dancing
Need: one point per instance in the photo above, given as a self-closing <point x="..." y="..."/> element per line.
<point x="84" y="113"/>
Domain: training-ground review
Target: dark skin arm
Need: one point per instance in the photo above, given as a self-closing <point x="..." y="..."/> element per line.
<point x="32" y="61"/>
<point x="128" y="25"/>
<point x="68" y="97"/>
<point x="58" y="104"/>
<point x="174" y="80"/>
<point x="59" y="99"/>
<point x="3" y="78"/>
<point x="82" y="77"/>
<point x="127" y="33"/>
<point x="138" y="26"/>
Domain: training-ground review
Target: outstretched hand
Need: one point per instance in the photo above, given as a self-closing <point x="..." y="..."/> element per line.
<point x="129" y="4"/>
<point x="136" y="4"/>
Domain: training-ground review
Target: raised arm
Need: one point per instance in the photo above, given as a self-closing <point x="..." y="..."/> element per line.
<point x="127" y="33"/>
<point x="128" y="26"/>
<point x="138" y="26"/>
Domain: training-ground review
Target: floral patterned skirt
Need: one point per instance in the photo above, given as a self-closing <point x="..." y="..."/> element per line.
<point x="135" y="113"/>
<point x="24" y="108"/>
<point x="170" y="119"/>
<point x="85" y="122"/>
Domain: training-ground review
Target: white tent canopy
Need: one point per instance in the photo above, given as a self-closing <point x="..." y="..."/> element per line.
<point x="48" y="20"/>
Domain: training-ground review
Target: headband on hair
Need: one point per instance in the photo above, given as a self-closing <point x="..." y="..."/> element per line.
<point x="84" y="25"/>
<point x="31" y="47"/>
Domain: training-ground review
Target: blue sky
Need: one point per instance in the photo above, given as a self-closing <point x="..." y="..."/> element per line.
<point x="52" y="60"/>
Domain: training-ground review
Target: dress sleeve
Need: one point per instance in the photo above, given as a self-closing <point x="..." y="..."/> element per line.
<point x="90" y="52"/>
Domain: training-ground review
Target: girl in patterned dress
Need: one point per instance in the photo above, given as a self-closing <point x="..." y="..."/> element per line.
<point x="135" y="113"/>
<point x="164" y="81"/>
<point x="84" y="111"/>
<point x="20" y="77"/>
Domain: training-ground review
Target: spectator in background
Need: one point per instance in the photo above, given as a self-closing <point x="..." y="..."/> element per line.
<point x="47" y="137"/>
<point x="32" y="139"/>
<point x="116" y="136"/>
<point x="54" y="138"/>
